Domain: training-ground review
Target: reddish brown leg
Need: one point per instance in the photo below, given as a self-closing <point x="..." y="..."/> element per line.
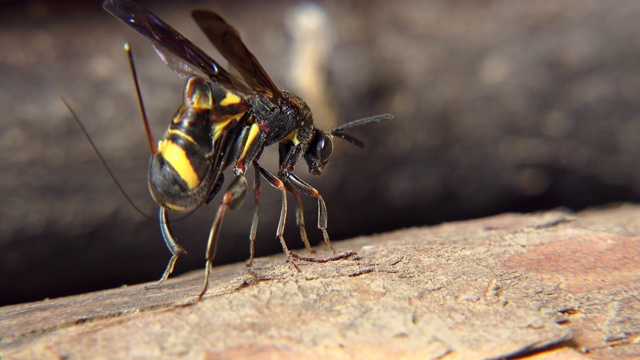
<point x="278" y="184"/>
<point x="232" y="199"/>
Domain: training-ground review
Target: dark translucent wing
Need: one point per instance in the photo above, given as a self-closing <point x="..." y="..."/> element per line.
<point x="167" y="40"/>
<point x="228" y="42"/>
<point x="181" y="67"/>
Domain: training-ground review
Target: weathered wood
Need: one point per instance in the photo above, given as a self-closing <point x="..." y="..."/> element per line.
<point x="551" y="285"/>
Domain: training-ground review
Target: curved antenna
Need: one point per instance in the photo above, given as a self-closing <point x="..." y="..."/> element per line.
<point x="145" y="120"/>
<point x="338" y="132"/>
<point x="103" y="161"/>
<point x="152" y="143"/>
<point x="369" y="120"/>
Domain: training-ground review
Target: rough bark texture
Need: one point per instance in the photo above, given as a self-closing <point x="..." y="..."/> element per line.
<point x="549" y="285"/>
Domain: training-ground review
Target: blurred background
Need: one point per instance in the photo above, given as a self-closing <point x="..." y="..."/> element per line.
<point x="500" y="106"/>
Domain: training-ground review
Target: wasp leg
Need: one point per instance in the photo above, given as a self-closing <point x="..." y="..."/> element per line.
<point x="300" y="217"/>
<point x="278" y="184"/>
<point x="232" y="199"/>
<point x="254" y="223"/>
<point x="172" y="245"/>
<point x="299" y="184"/>
<point x="288" y="156"/>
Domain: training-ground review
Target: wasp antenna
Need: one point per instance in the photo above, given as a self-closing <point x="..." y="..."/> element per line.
<point x="103" y="161"/>
<point x="355" y="123"/>
<point x="366" y="121"/>
<point x="152" y="143"/>
<point x="350" y="138"/>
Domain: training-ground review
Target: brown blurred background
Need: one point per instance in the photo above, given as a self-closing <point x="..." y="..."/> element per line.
<point x="500" y="106"/>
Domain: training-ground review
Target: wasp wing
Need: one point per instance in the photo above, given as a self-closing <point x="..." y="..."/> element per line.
<point x="228" y="42"/>
<point x="173" y="48"/>
<point x="179" y="66"/>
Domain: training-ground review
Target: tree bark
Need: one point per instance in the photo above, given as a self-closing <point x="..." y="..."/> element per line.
<point x="549" y="285"/>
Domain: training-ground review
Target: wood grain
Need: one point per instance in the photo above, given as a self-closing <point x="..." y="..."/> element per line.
<point x="547" y="285"/>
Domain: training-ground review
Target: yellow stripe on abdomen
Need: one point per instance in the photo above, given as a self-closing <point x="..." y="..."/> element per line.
<point x="177" y="158"/>
<point x="181" y="134"/>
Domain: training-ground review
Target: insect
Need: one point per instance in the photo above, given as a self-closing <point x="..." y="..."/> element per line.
<point x="225" y="121"/>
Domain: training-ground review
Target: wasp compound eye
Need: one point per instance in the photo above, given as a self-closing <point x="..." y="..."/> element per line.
<point x="319" y="152"/>
<point x="325" y="148"/>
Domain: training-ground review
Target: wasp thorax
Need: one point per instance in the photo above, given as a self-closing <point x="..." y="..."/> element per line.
<point x="301" y="107"/>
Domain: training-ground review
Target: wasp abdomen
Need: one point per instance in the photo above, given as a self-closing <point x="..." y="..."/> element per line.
<point x="183" y="162"/>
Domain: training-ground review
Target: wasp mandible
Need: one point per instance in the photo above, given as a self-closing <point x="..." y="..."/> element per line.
<point x="226" y="121"/>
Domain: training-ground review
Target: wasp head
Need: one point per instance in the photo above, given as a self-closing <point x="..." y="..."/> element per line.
<point x="321" y="144"/>
<point x="319" y="151"/>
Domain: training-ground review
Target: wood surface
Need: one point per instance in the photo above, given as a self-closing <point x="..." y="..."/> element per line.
<point x="552" y="285"/>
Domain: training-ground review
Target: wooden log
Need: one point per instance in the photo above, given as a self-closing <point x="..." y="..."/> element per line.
<point x="548" y="285"/>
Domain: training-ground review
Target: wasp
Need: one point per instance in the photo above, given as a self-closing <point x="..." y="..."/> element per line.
<point x="226" y="119"/>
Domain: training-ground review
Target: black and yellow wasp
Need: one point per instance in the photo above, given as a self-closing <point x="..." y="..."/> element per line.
<point x="227" y="121"/>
